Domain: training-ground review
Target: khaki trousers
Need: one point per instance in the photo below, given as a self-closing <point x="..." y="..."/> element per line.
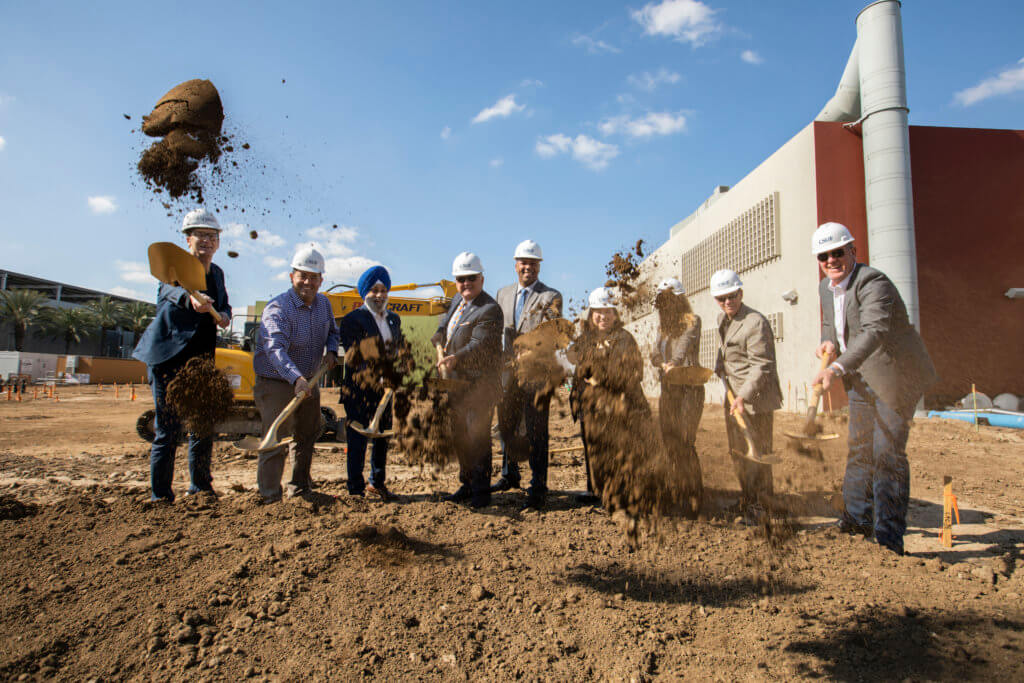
<point x="271" y="396"/>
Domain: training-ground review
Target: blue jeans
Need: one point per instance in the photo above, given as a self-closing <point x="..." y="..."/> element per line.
<point x="165" y="443"/>
<point x="516" y="405"/>
<point x="876" y="487"/>
<point x="362" y="412"/>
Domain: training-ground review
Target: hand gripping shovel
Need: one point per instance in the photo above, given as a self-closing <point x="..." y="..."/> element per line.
<point x="752" y="453"/>
<point x="688" y="375"/>
<point x="443" y="382"/>
<point x="371" y="431"/>
<point x="172" y="265"/>
<point x="809" y="434"/>
<point x="270" y="440"/>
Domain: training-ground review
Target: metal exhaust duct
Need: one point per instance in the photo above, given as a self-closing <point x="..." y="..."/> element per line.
<point x="876" y="62"/>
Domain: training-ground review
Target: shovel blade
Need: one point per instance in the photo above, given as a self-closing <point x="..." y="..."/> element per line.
<point x="248" y="443"/>
<point x="266" y="448"/>
<point x="690" y="375"/>
<point x="169" y="263"/>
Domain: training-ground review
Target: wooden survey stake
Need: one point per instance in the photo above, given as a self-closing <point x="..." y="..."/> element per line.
<point x="949" y="507"/>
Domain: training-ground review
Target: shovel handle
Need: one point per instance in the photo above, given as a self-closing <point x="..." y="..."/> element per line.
<point x="442" y="372"/>
<point x="270" y="439"/>
<point x="213" y="312"/>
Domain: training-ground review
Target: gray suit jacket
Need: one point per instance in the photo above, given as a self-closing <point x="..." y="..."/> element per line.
<point x="542" y="303"/>
<point x="881" y="344"/>
<point x="683" y="350"/>
<point x="476" y="339"/>
<point x="747" y="357"/>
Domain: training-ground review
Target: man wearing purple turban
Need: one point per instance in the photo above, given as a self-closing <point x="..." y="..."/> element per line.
<point x="361" y="394"/>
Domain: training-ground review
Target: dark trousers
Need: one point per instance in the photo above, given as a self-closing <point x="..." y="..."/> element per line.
<point x="167" y="430"/>
<point x="876" y="487"/>
<point x="472" y="431"/>
<point x="679" y="411"/>
<point x="516" y="405"/>
<point x="755" y="478"/>
<point x="593" y="485"/>
<point x="362" y="412"/>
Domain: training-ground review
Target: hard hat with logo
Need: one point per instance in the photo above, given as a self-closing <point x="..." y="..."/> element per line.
<point x="199" y="218"/>
<point x="672" y="284"/>
<point x="309" y="260"/>
<point x="725" y="281"/>
<point x="528" y="249"/>
<point x="602" y="297"/>
<point x="467" y="263"/>
<point x="830" y="236"/>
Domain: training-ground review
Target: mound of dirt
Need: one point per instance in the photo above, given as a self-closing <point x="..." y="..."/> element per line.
<point x="200" y="395"/>
<point x="12" y="508"/>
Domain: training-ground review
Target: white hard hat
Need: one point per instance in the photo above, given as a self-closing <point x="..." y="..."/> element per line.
<point x="309" y="260"/>
<point x="602" y="297"/>
<point x="830" y="236"/>
<point x="199" y="218"/>
<point x="673" y="284"/>
<point x="467" y="263"/>
<point x="528" y="249"/>
<point x="725" y="281"/>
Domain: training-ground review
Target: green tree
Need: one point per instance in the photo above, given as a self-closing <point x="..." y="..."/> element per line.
<point x="21" y="308"/>
<point x="109" y="314"/>
<point x="70" y="324"/>
<point x="137" y="316"/>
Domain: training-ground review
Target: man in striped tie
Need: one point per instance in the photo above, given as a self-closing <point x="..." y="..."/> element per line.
<point x="470" y="338"/>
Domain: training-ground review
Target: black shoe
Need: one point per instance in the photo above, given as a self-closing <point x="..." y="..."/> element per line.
<point x="504" y="484"/>
<point x="461" y="495"/>
<point x="480" y="501"/>
<point x="848" y="527"/>
<point x="533" y="503"/>
<point x="587" y="499"/>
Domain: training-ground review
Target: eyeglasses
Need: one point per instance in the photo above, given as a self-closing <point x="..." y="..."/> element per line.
<point x="835" y="253"/>
<point x="466" y="278"/>
<point x="207" y="236"/>
<point x="727" y="297"/>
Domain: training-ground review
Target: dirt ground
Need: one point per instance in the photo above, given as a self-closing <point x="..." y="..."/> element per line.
<point x="97" y="583"/>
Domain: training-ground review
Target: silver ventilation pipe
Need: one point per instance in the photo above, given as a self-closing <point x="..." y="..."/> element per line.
<point x="876" y="62"/>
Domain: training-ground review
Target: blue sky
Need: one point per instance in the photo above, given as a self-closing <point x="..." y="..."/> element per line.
<point x="426" y="128"/>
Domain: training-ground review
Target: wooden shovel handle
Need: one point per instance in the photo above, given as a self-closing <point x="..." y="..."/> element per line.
<point x="213" y="312"/>
<point x="380" y="409"/>
<point x="271" y="435"/>
<point x="441" y="371"/>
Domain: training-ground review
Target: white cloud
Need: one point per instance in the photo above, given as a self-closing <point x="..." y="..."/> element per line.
<point x="531" y="83"/>
<point x="134" y="271"/>
<point x="5" y="100"/>
<point x="654" y="123"/>
<point x="751" y="57"/>
<point x="275" y="262"/>
<point x="236" y="237"/>
<point x="592" y="153"/>
<point x="503" y="108"/>
<point x="688" y="21"/>
<point x="625" y="98"/>
<point x="333" y="241"/>
<point x="102" y="204"/>
<point x="282" y="275"/>
<point x="130" y="293"/>
<point x="593" y="46"/>
<point x="1007" y="81"/>
<point x="3" y="143"/>
<point x="495" y="163"/>
<point x="649" y="82"/>
<point x="347" y="269"/>
<point x="446" y="132"/>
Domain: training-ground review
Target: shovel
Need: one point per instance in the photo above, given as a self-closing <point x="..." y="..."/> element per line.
<point x="688" y="375"/>
<point x="270" y="440"/>
<point x="808" y="435"/>
<point x="752" y="453"/>
<point x="172" y="265"/>
<point x="371" y="431"/>
<point x="444" y="382"/>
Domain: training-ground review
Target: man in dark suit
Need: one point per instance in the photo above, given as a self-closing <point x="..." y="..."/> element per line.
<point x="470" y="340"/>
<point x="524" y="305"/>
<point x="181" y="330"/>
<point x="885" y="369"/>
<point x="372" y="320"/>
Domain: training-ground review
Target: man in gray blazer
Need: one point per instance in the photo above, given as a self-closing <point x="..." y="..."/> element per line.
<point x="746" y="359"/>
<point x="885" y="369"/>
<point x="470" y="338"/>
<point x="525" y="305"/>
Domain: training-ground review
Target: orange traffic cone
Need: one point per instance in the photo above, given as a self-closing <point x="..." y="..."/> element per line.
<point x="35" y="393"/>
<point x="19" y="396"/>
<point x="115" y="390"/>
<point x="133" y="392"/>
<point x="8" y="392"/>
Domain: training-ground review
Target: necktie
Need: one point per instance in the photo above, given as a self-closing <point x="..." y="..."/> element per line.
<point x="453" y="322"/>
<point x="520" y="300"/>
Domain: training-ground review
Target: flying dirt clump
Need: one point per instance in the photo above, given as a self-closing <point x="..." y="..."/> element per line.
<point x="623" y="272"/>
<point x="188" y="118"/>
<point x="200" y="395"/>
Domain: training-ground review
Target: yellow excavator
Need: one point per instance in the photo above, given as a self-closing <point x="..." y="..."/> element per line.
<point x="244" y="419"/>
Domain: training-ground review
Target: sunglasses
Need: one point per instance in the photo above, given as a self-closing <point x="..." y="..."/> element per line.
<point x="835" y="253"/>
<point x="727" y="297"/>
<point x="466" y="278"/>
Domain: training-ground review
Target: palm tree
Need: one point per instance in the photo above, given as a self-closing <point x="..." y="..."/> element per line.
<point x="137" y="316"/>
<point x="20" y="307"/>
<point x="109" y="314"/>
<point x="70" y="324"/>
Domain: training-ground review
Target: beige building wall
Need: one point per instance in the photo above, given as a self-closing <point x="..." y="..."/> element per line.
<point x="789" y="173"/>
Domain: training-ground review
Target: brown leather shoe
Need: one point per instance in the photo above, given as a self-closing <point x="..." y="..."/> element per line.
<point x="381" y="492"/>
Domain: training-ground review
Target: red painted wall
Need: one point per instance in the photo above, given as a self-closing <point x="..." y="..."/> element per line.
<point x="969" y="233"/>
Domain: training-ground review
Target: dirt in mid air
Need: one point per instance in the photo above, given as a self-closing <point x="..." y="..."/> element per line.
<point x="200" y="395"/>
